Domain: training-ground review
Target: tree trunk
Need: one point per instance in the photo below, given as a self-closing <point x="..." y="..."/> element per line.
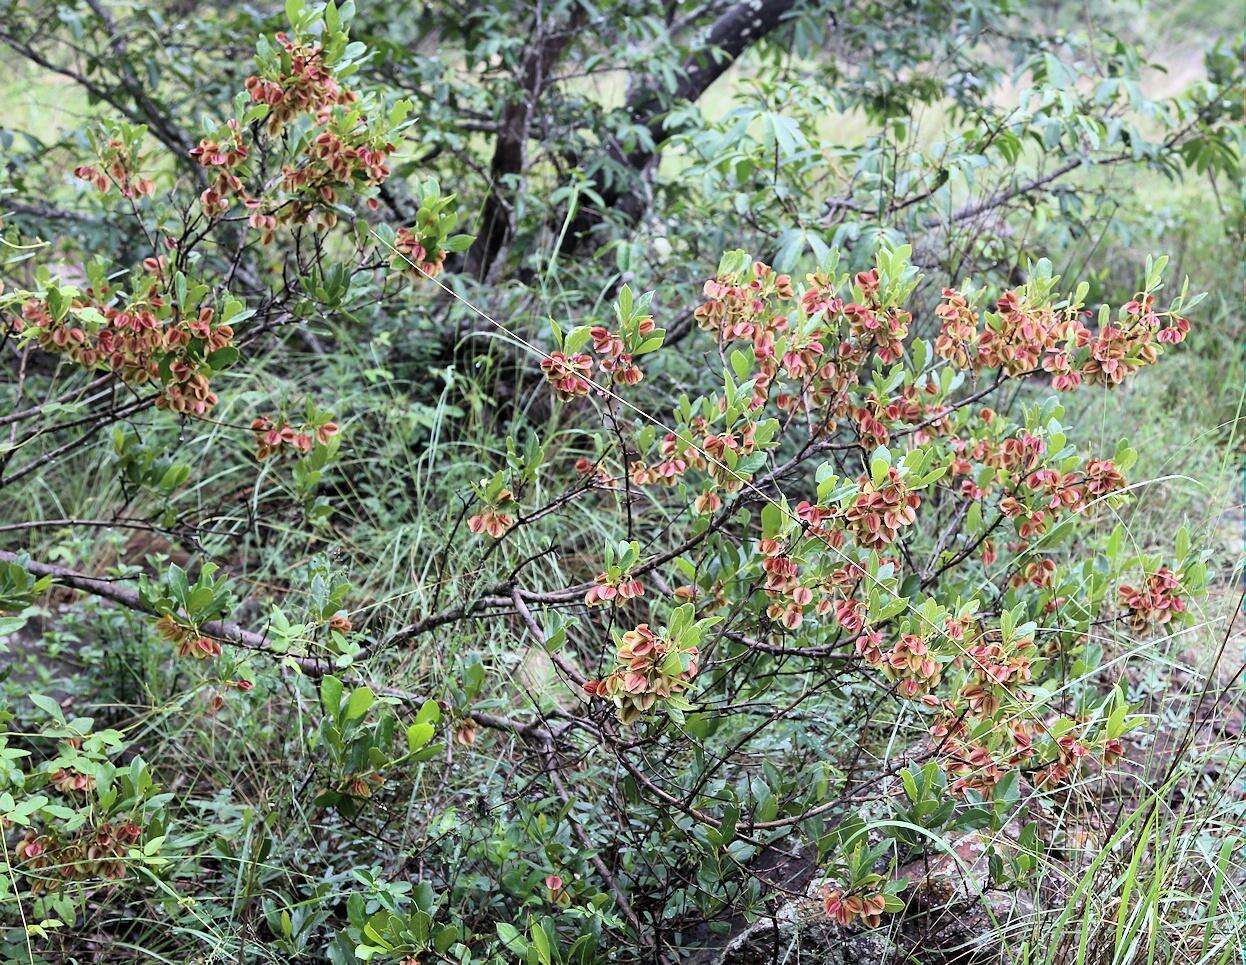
<point x="727" y="39"/>
<point x="497" y="222"/>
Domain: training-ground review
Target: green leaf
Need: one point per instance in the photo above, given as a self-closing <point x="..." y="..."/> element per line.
<point x="331" y="693"/>
<point x="223" y="358"/>
<point x="359" y="702"/>
<point x="540" y="941"/>
<point x="626" y="300"/>
<point x="576" y="339"/>
<point x="48" y="706"/>
<point x="771" y="519"/>
<point x="672" y="665"/>
<point x="429" y="713"/>
<point x="418" y="735"/>
<point x="880" y="462"/>
<point x="512" y="938"/>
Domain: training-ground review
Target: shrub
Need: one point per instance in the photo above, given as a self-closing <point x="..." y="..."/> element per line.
<point x="795" y="596"/>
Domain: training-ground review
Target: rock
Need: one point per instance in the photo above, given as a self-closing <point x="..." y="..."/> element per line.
<point x="799" y="931"/>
